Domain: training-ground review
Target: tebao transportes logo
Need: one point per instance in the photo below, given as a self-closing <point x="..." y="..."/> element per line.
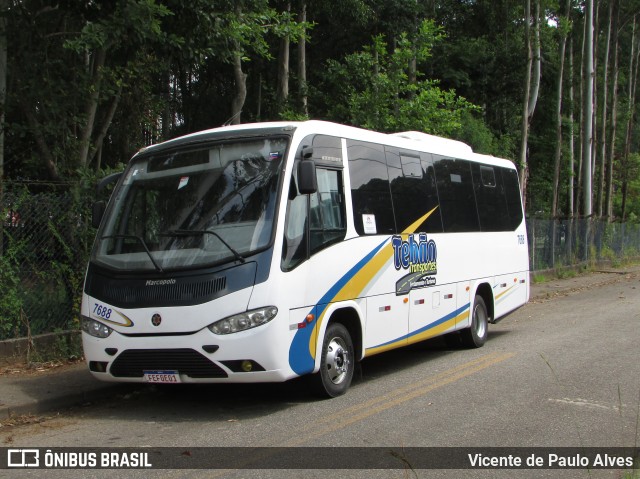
<point x="419" y="257"/>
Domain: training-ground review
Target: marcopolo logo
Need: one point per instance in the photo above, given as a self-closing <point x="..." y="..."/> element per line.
<point x="417" y="256"/>
<point x="160" y="282"/>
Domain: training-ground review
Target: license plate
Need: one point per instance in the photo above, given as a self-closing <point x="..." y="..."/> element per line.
<point x="162" y="377"/>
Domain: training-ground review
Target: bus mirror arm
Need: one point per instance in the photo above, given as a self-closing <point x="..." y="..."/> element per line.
<point x="99" y="207"/>
<point x="107" y="180"/>
<point x="307" y="181"/>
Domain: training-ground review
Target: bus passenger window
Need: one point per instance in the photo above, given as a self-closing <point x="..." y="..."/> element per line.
<point x="490" y="197"/>
<point x="512" y="193"/>
<point x="457" y="198"/>
<point x="370" y="187"/>
<point x="414" y="193"/>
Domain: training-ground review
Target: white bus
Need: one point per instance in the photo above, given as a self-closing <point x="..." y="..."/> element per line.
<point x="267" y="251"/>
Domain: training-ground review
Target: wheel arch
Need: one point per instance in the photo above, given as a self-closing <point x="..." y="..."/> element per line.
<point x="485" y="291"/>
<point x="350" y="317"/>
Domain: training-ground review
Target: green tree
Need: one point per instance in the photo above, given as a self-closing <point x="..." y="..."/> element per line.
<point x="376" y="91"/>
<point x="70" y="71"/>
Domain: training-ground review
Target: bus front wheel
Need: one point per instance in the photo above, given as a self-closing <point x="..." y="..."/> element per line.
<point x="476" y="335"/>
<point x="337" y="362"/>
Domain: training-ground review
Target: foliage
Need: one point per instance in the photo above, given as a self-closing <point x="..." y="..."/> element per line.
<point x="89" y="83"/>
<point x="10" y="302"/>
<point x="475" y="132"/>
<point x="46" y="248"/>
<point x="376" y="91"/>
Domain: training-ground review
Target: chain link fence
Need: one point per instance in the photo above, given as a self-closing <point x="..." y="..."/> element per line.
<point x="46" y="237"/>
<point x="45" y="242"/>
<point x="556" y="244"/>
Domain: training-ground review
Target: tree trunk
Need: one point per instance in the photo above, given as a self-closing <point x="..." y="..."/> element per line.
<point x="614" y="118"/>
<point x="571" y="132"/>
<point x="259" y="100"/>
<point x="302" y="64"/>
<point x="241" y="90"/>
<point x="537" y="62"/>
<point x="556" y="171"/>
<point x="594" y="101"/>
<point x="240" y="78"/>
<point x="603" y="127"/>
<point x="91" y="106"/>
<point x="633" y="76"/>
<point x="41" y="143"/>
<point x="4" y="5"/>
<point x="282" y="92"/>
<point x="97" y="143"/>
<point x="588" y="109"/>
<point x="523" y="168"/>
<point x="571" y="152"/>
<point x="166" y="111"/>
<point x="579" y="175"/>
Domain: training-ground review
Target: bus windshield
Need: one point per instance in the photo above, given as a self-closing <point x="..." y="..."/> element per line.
<point x="187" y="208"/>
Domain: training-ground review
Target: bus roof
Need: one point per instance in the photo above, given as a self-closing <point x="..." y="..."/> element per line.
<point x="412" y="140"/>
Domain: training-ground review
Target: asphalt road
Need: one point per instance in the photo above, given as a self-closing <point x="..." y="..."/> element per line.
<point x="556" y="373"/>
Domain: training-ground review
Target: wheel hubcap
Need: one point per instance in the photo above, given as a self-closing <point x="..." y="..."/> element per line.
<point x="480" y="323"/>
<point x="337" y="360"/>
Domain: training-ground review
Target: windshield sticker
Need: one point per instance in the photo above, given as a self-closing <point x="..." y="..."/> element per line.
<point x="276" y="155"/>
<point x="369" y="222"/>
<point x="183" y="182"/>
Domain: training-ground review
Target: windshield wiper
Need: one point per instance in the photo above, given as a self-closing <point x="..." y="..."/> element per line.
<point x="141" y="241"/>
<point x="181" y="232"/>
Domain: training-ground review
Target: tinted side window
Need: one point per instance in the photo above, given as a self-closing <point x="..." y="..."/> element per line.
<point x="457" y="199"/>
<point x="413" y="190"/>
<point x="490" y="197"/>
<point x="514" y="200"/>
<point x="370" y="188"/>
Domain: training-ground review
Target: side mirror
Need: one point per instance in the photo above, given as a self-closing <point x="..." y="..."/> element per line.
<point x="97" y="212"/>
<point x="307" y="181"/>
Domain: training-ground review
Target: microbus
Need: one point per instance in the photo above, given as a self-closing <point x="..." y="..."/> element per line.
<point x="267" y="251"/>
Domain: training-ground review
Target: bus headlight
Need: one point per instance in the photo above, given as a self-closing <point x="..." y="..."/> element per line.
<point x="95" y="328"/>
<point x="244" y="321"/>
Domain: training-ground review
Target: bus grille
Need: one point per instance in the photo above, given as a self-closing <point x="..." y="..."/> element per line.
<point x="133" y="362"/>
<point x="129" y="295"/>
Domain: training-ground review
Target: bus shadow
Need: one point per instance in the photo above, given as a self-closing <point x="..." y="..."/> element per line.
<point x="232" y="402"/>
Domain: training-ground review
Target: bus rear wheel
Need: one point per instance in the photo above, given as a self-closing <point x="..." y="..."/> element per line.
<point x="476" y="334"/>
<point x="337" y="362"/>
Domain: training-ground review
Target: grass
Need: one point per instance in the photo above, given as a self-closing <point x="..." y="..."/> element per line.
<point x="539" y="278"/>
<point x="635" y="474"/>
<point x="566" y="273"/>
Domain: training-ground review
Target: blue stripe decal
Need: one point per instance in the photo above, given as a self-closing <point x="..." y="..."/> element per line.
<point x="425" y="328"/>
<point x="300" y="359"/>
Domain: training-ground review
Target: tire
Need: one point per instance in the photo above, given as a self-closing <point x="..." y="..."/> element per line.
<point x="337" y="362"/>
<point x="476" y="334"/>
